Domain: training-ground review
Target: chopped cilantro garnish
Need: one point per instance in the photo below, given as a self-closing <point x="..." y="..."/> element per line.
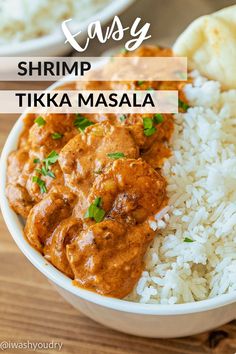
<point x="82" y="122"/>
<point x="46" y="163"/>
<point x="40" y="183"/>
<point x="116" y="155"/>
<point x="149" y="129"/>
<point x="51" y="159"/>
<point x="57" y="136"/>
<point x="97" y="202"/>
<point x="40" y="171"/>
<point x="51" y="174"/>
<point x="158" y="118"/>
<point x="36" y="161"/>
<point x="40" y="121"/>
<point x="150" y="89"/>
<point x="95" y="211"/>
<point x="45" y="172"/>
<point x="188" y="239"/>
<point x="184" y="106"/>
<point x="139" y="83"/>
<point x="147" y="123"/>
<point x="122" y="118"/>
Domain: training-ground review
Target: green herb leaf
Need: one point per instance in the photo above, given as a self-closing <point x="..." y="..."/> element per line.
<point x="44" y="171"/>
<point x="184" y="106"/>
<point x="150" y="89"/>
<point x="122" y="118"/>
<point x="51" y="159"/>
<point x="40" y="183"/>
<point x="40" y="121"/>
<point x="90" y="212"/>
<point x="82" y="122"/>
<point x="57" y="136"/>
<point x="147" y="123"/>
<point x="188" y="239"/>
<point x="99" y="214"/>
<point x="139" y="83"/>
<point x="116" y="155"/>
<point x="158" y="118"/>
<point x="149" y="129"/>
<point x="95" y="211"/>
<point x="39" y="170"/>
<point x="97" y="201"/>
<point x="51" y="174"/>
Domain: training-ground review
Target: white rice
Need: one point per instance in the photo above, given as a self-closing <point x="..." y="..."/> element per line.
<point x="21" y="20"/>
<point x="201" y="176"/>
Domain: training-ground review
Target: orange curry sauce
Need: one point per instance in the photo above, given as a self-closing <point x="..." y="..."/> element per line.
<point x="88" y="197"/>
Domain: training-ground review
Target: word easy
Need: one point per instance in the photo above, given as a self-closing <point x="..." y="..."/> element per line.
<point x="115" y="31"/>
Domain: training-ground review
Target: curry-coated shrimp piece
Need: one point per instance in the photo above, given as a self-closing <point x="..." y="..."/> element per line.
<point x="17" y="194"/>
<point x="163" y="129"/>
<point x="130" y="190"/>
<point x="16" y="163"/>
<point x="19" y="199"/>
<point x="108" y="257"/>
<point x="33" y="188"/>
<point x="154" y="147"/>
<point x="55" y="249"/>
<point x="36" y="142"/>
<point x="52" y="131"/>
<point x="23" y="171"/>
<point x="84" y="157"/>
<point x="47" y="214"/>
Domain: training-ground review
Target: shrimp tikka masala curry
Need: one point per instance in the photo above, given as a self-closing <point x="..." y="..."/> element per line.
<point x="89" y="186"/>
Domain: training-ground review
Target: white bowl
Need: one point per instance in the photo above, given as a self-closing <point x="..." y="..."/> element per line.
<point x="148" y="320"/>
<point x="53" y="44"/>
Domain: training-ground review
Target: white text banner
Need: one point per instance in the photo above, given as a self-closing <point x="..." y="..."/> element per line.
<point x="16" y="101"/>
<point x="93" y="69"/>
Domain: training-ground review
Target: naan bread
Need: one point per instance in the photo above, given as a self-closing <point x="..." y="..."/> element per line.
<point x="210" y="45"/>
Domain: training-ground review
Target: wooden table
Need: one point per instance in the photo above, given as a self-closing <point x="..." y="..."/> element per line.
<point x="30" y="308"/>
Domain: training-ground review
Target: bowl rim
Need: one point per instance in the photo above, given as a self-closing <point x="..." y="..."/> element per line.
<point x="56" y="38"/>
<point x="15" y="228"/>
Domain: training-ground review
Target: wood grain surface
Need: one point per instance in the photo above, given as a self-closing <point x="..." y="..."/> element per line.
<point x="31" y="310"/>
